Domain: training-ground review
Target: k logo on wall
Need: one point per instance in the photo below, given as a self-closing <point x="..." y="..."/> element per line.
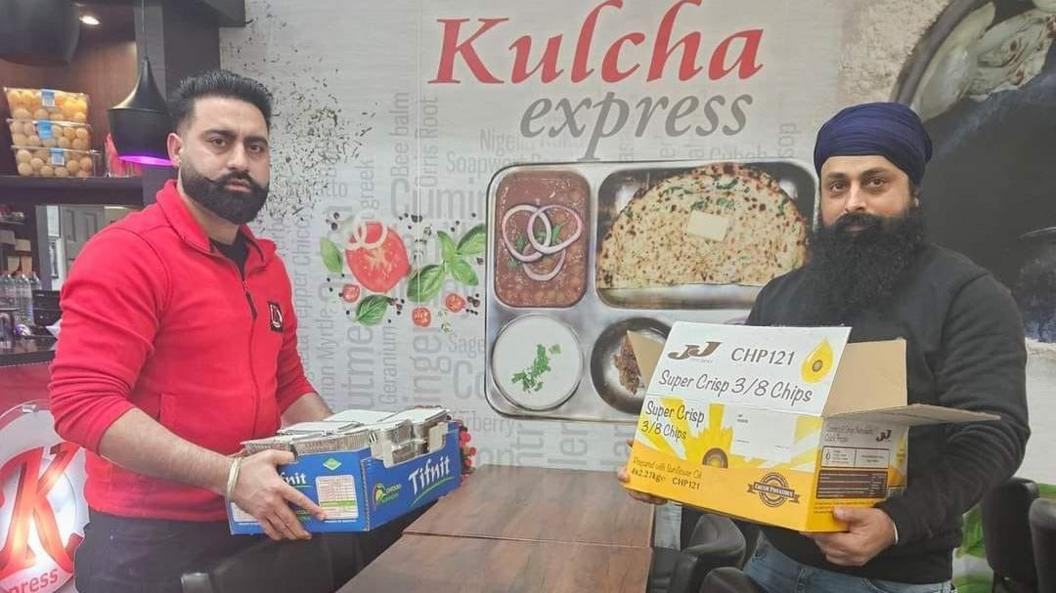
<point x="42" y="507"/>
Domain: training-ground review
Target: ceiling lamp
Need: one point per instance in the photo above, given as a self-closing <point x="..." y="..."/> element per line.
<point x="140" y="124"/>
<point x="38" y="32"/>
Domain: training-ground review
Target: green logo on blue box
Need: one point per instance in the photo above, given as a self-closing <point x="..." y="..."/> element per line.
<point x="384" y="494"/>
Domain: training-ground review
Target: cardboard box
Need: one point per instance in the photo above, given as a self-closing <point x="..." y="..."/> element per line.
<point x="360" y="491"/>
<point x="777" y="425"/>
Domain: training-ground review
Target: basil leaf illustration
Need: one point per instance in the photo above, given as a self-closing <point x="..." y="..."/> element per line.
<point x="331" y="255"/>
<point x="463" y="272"/>
<point x="371" y="310"/>
<point x="448" y="251"/>
<point x="426" y="283"/>
<point x="474" y="241"/>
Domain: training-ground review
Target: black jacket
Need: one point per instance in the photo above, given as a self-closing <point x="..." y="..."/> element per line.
<point x="964" y="349"/>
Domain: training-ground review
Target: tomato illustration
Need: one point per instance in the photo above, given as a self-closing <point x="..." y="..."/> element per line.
<point x="378" y="267"/>
<point x="350" y="293"/>
<point x="421" y="316"/>
<point x="454" y="302"/>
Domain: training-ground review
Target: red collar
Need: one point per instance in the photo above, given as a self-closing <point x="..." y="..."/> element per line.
<point x="187" y="227"/>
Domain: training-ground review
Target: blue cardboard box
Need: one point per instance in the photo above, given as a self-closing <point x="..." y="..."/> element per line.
<point x="358" y="491"/>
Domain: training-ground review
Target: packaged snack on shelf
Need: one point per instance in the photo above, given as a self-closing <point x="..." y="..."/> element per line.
<point x="50" y="134"/>
<point x="37" y="161"/>
<point x="47" y="104"/>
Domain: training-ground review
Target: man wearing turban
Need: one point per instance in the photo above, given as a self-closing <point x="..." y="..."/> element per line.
<point x="872" y="269"/>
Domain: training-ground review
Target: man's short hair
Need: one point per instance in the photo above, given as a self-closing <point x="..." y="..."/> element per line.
<point x="217" y="83"/>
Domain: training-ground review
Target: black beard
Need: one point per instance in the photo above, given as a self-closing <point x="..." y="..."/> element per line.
<point x="856" y="271"/>
<point x="234" y="207"/>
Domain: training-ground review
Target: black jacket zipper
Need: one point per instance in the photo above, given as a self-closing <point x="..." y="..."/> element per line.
<point x="253" y="313"/>
<point x="249" y="299"/>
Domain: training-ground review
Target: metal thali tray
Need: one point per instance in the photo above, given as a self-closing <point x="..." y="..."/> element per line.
<point x="550" y="352"/>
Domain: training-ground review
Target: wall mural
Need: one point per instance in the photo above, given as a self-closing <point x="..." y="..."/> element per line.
<point x="477" y="200"/>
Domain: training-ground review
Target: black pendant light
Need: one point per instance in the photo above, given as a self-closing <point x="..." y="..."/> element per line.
<point x="39" y="32"/>
<point x="140" y="124"/>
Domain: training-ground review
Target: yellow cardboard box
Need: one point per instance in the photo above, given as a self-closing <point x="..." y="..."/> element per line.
<point x="777" y="425"/>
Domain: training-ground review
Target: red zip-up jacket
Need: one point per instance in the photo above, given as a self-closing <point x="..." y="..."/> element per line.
<point x="154" y="317"/>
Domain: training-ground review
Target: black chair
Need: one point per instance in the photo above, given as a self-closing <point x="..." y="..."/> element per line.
<point x="729" y="580"/>
<point x="750" y="531"/>
<point x="352" y="552"/>
<point x="1006" y="534"/>
<point x="268" y="567"/>
<point x="348" y="554"/>
<point x="714" y="541"/>
<point x="1043" y="530"/>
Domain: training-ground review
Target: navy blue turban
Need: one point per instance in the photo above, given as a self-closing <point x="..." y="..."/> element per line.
<point x="890" y="130"/>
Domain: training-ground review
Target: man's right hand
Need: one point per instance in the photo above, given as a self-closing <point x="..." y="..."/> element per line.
<point x="261" y="492"/>
<point x="623" y="476"/>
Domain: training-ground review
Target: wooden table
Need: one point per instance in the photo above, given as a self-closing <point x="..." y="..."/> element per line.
<point x="514" y="529"/>
<point x="537" y="504"/>
<point x="438" y="564"/>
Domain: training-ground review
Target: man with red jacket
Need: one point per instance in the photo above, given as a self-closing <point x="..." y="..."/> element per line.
<point x="178" y="342"/>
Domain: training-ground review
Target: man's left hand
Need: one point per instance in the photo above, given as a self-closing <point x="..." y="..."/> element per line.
<point x="869" y="532"/>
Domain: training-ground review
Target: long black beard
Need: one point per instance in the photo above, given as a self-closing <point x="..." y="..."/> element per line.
<point x="234" y="207"/>
<point x="857" y="271"/>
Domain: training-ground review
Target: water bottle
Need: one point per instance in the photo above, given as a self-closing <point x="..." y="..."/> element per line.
<point x="21" y="286"/>
<point x="26" y="288"/>
<point x="7" y="295"/>
<point x="34" y="287"/>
